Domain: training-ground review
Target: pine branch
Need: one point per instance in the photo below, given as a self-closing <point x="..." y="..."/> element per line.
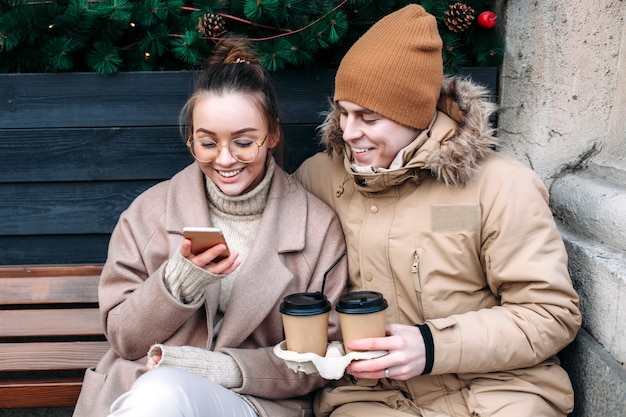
<point x="129" y="35"/>
<point x="104" y="58"/>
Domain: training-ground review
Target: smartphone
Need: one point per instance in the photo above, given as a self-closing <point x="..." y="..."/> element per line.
<point x="203" y="238"/>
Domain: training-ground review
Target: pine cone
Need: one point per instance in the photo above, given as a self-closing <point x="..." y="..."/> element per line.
<point x="458" y="17"/>
<point x="211" y="25"/>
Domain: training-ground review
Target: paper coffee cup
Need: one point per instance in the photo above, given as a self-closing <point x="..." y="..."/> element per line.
<point x="305" y="321"/>
<point x="361" y="315"/>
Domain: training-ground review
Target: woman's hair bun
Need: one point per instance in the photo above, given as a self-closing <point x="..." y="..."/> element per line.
<point x="232" y="51"/>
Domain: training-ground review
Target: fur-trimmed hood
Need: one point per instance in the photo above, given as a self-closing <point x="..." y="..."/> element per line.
<point x="458" y="138"/>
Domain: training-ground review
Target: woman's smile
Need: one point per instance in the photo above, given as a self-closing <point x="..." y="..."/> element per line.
<point x="229" y="174"/>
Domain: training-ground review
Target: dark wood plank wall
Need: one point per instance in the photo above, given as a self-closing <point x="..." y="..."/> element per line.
<point x="76" y="149"/>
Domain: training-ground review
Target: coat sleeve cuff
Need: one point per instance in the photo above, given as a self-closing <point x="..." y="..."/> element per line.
<point x="448" y="344"/>
<point x="186" y="281"/>
<point x="216" y="366"/>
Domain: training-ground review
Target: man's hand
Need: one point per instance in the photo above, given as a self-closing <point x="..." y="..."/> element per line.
<point x="406" y="358"/>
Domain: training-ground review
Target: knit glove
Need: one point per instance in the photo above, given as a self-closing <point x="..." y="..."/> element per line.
<point x="187" y="281"/>
<point x="216" y="366"/>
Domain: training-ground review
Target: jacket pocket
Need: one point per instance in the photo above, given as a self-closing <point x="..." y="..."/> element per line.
<point x="331" y="398"/>
<point x="443" y="323"/>
<point x="92" y="384"/>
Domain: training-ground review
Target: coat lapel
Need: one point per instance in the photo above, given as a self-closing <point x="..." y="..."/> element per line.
<point x="260" y="285"/>
<point x="263" y="277"/>
<point x="187" y="203"/>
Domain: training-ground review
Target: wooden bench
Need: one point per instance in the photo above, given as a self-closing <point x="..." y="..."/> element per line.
<point x="103" y="141"/>
<point x="50" y="332"/>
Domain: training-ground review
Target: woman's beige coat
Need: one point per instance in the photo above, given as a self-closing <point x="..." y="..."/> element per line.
<point x="460" y="238"/>
<point x="298" y="239"/>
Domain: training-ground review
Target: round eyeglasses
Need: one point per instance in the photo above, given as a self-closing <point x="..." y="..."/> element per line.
<point x="207" y="150"/>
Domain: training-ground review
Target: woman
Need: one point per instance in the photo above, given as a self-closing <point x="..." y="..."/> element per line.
<point x="211" y="326"/>
<point x="458" y="238"/>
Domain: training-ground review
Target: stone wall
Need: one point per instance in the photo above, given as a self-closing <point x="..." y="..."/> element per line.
<point x="563" y="99"/>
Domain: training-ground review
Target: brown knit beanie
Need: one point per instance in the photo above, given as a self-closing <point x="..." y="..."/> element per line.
<point x="395" y="69"/>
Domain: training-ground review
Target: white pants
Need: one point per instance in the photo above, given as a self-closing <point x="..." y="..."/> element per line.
<point x="172" y="392"/>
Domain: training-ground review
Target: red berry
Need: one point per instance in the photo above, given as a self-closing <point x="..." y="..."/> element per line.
<point x="487" y="19"/>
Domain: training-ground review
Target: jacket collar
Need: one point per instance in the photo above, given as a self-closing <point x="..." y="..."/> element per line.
<point x="414" y="158"/>
<point x="450" y="149"/>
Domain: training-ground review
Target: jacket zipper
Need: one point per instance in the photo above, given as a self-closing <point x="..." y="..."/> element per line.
<point x="415" y="272"/>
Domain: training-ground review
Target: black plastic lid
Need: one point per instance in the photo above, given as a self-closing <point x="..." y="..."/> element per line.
<point x="361" y="302"/>
<point x="305" y="304"/>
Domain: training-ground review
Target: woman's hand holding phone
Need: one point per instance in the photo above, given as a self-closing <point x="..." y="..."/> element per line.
<point x="206" y="248"/>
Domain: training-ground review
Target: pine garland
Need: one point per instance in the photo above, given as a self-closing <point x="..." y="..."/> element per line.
<point x="107" y="36"/>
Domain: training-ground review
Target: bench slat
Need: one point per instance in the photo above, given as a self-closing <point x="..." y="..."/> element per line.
<point x="50" y="322"/>
<point x="26" y="365"/>
<point x="49" y="290"/>
<point x="47" y="249"/>
<point x="50" y="356"/>
<point x="66" y="208"/>
<point x="49" y="271"/>
<point x="89" y="100"/>
<point x="40" y="393"/>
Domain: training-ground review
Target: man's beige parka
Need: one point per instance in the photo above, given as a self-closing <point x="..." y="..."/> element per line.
<point x="460" y="238"/>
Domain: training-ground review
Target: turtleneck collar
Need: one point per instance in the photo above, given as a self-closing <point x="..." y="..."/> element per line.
<point x="248" y="204"/>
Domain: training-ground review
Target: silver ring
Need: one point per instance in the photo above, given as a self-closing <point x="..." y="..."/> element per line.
<point x="386" y="373"/>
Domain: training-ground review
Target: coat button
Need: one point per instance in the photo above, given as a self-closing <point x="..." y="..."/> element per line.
<point x="368" y="277"/>
<point x="374" y="209"/>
